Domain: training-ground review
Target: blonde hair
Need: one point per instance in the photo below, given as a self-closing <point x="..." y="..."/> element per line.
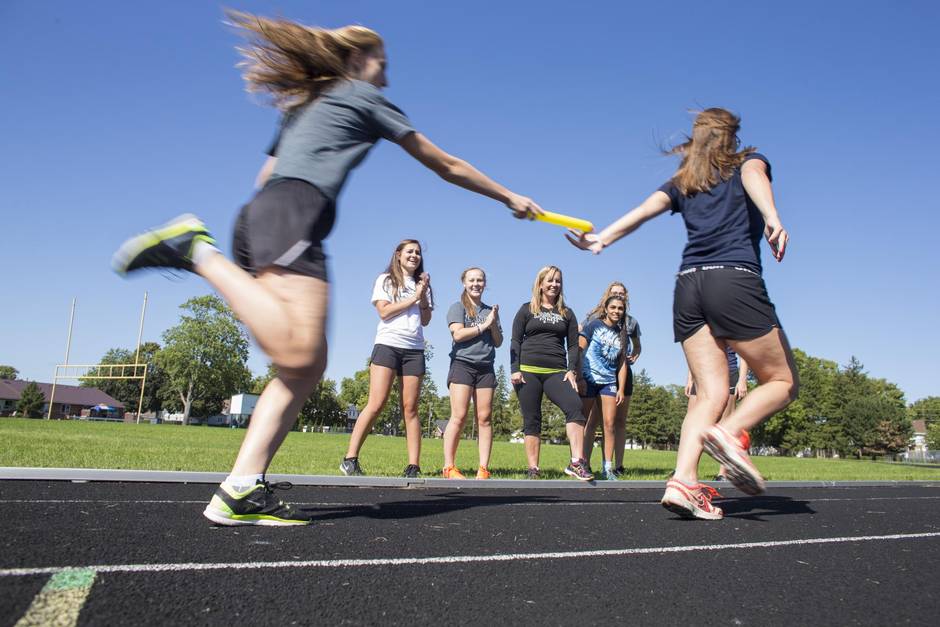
<point x="293" y="63"/>
<point x="535" y="305"/>
<point x="598" y="311"/>
<point x="465" y="299"/>
<point x="711" y="154"/>
<point x="395" y="281"/>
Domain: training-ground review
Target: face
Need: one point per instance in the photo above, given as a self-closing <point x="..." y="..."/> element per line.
<point x="618" y="290"/>
<point x="409" y="258"/>
<point x="370" y="67"/>
<point x="551" y="285"/>
<point x="474" y="282"/>
<point x="614" y="311"/>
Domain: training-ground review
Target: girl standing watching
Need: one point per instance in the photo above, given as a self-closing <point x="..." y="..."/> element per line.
<point x="477" y="334"/>
<point x="725" y="198"/>
<point x="328" y="84"/>
<point x="402" y="297"/>
<point x="544" y="360"/>
<point x="604" y="376"/>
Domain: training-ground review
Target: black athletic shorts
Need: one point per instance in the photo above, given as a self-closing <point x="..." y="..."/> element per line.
<point x="474" y="375"/>
<point x="284" y="225"/>
<point x="731" y="300"/>
<point x="407" y="362"/>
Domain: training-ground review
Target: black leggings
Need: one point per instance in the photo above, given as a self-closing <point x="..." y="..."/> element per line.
<point x="558" y="391"/>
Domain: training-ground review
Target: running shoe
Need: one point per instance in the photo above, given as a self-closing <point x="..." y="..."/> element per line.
<point x="579" y="470"/>
<point x="483" y="473"/>
<point x="611" y="475"/>
<point x="167" y="246"/>
<point x="256" y="506"/>
<point x="412" y="471"/>
<point x="620" y="471"/>
<point x="691" y="501"/>
<point x="450" y="472"/>
<point x="350" y="467"/>
<point x="532" y="473"/>
<point x="726" y="449"/>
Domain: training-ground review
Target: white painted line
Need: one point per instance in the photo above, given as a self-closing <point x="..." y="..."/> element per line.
<point x="455" y="559"/>
<point x="60" y="601"/>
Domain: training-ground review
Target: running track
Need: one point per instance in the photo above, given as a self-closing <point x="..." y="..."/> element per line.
<point x="104" y="553"/>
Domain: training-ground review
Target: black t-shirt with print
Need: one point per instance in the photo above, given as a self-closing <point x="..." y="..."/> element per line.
<point x="546" y="340"/>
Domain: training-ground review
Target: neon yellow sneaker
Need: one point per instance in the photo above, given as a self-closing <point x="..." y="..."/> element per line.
<point x="256" y="506"/>
<point x="167" y="246"/>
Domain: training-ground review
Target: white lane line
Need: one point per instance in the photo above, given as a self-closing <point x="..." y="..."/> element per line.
<point x="61" y="599"/>
<point x="418" y="503"/>
<point x="455" y="559"/>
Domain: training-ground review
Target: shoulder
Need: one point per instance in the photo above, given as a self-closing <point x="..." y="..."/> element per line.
<point x="456" y="309"/>
<point x="758" y="157"/>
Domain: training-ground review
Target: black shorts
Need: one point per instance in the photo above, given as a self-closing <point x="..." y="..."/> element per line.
<point x="408" y="362"/>
<point x="731" y="300"/>
<point x="284" y="225"/>
<point x="474" y="375"/>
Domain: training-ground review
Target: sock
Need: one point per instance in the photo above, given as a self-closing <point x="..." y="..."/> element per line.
<point x="201" y="250"/>
<point x="608" y="466"/>
<point x="241" y="483"/>
<point x="575" y="460"/>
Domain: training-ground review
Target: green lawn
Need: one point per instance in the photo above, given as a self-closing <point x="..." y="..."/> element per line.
<point x="78" y="444"/>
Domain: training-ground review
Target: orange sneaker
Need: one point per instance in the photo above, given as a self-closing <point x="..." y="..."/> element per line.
<point x="727" y="450"/>
<point x="691" y="501"/>
<point x="451" y="472"/>
<point x="483" y="473"/>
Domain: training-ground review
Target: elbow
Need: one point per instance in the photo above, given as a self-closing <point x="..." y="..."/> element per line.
<point x="451" y="169"/>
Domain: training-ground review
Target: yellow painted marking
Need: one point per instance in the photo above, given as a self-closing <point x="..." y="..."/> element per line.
<point x="60" y="600"/>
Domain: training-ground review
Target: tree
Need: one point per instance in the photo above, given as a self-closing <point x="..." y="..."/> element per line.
<point x="926" y="409"/>
<point x="933" y="436"/>
<point x="128" y="390"/>
<point x="501" y="415"/>
<point x="9" y="373"/>
<point x="31" y="401"/>
<point x="650" y="410"/>
<point x="203" y="357"/>
<point x="323" y="408"/>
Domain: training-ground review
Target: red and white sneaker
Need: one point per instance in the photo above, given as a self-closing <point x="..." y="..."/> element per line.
<point x="727" y="450"/>
<point x="691" y="501"/>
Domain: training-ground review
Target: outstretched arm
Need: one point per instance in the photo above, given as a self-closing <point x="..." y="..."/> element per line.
<point x="653" y="206"/>
<point x="460" y="173"/>
<point x="757" y="185"/>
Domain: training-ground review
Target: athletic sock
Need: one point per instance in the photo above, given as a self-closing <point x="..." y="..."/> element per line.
<point x="608" y="466"/>
<point x="202" y="250"/>
<point x="242" y="483"/>
<point x="575" y="460"/>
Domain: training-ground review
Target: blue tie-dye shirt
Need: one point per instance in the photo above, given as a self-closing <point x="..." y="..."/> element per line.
<point x="602" y="355"/>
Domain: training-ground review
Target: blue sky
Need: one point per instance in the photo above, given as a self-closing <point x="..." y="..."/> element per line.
<point x="118" y="116"/>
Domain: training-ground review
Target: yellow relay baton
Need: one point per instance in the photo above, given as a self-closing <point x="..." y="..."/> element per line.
<point x="566" y="221"/>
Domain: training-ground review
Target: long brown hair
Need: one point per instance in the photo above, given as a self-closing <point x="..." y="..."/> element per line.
<point x="711" y="154"/>
<point x="465" y="299"/>
<point x="598" y="311"/>
<point x="535" y="305"/>
<point x="293" y="63"/>
<point x="395" y="281"/>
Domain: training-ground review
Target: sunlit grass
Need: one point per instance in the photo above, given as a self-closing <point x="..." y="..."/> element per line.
<point x="79" y="444"/>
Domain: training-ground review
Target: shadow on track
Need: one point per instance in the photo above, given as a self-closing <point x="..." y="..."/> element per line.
<point x="759" y="508"/>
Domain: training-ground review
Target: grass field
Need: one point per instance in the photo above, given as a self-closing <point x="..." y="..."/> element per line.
<point x="78" y="444"/>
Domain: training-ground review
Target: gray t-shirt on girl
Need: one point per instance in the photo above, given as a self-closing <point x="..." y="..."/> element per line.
<point x="478" y="350"/>
<point x="321" y="142"/>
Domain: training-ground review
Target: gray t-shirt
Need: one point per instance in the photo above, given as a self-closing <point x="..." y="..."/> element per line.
<point x="478" y="350"/>
<point x="327" y="138"/>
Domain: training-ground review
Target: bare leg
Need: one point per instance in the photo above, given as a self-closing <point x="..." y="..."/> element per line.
<point x="459" y="402"/>
<point x="532" y="445"/>
<point x="380" y="384"/>
<point x="609" y="409"/>
<point x="410" y="393"/>
<point x="620" y="431"/>
<point x="483" y="402"/>
<point x="709" y="367"/>
<point x="590" y="427"/>
<point x="301" y="306"/>
<point x="771" y="359"/>
<point x="575" y="432"/>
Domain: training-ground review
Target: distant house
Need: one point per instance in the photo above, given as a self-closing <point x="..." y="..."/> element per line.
<point x="70" y="400"/>
<point x="440" y="426"/>
<point x="919" y="439"/>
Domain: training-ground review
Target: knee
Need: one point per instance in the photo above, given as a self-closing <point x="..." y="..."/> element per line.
<point x="483" y="419"/>
<point x="410" y="410"/>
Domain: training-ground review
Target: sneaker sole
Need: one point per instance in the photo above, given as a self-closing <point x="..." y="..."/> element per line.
<point x="350" y="474"/>
<point x="571" y="473"/>
<point x="136" y="245"/>
<point x="221" y="519"/>
<point x="738" y="472"/>
<point x="688" y="513"/>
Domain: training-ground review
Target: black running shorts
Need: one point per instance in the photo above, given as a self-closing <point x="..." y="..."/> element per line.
<point x="732" y="301"/>
<point x="474" y="375"/>
<point x="408" y="362"/>
<point x="284" y="225"/>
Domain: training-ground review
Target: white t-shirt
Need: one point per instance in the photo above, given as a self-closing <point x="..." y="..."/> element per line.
<point x="403" y="330"/>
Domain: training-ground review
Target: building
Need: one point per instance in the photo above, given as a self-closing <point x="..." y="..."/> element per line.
<point x="70" y="400"/>
<point x="240" y="409"/>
